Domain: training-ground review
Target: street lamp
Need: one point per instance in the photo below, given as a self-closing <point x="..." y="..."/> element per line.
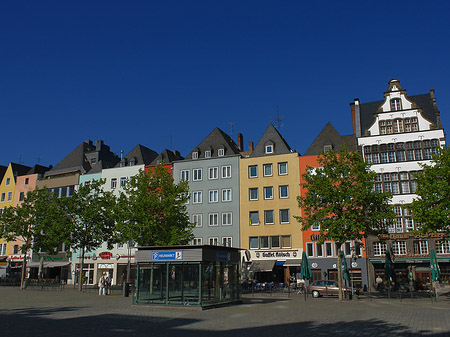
<point x="127" y="225"/>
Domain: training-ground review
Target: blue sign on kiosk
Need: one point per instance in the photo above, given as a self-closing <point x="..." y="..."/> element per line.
<point x="167" y="255"/>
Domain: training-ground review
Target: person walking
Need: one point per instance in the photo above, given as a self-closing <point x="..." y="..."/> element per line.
<point x="101" y="285"/>
<point x="108" y="282"/>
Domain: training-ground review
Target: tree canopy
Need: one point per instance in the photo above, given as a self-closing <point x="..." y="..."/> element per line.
<point x="154" y="208"/>
<point x="341" y="199"/>
<point x="432" y="208"/>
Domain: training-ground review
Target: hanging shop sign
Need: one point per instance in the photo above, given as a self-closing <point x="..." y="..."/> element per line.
<point x="105" y="255"/>
<point x="167" y="255"/>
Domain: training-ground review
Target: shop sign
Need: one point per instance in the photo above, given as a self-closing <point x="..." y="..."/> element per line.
<point x="275" y="254"/>
<point x="105" y="255"/>
<point x="317" y="237"/>
<point x="167" y="255"/>
<point x="410" y="236"/>
<point x="52" y="258"/>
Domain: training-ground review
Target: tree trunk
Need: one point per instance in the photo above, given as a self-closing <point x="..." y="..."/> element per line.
<point x="24" y="268"/>
<point x="339" y="272"/>
<point x="80" y="277"/>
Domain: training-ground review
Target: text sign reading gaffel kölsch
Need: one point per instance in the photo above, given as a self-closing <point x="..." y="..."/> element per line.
<point x="167" y="255"/>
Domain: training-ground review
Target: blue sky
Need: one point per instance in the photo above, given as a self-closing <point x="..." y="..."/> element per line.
<point x="164" y="74"/>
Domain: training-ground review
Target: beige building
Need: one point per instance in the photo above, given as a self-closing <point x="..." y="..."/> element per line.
<point x="269" y="187"/>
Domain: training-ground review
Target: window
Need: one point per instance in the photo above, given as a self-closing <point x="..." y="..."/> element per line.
<point x="3" y="196"/>
<point x="221" y="152"/>
<point x="16" y="249"/>
<point x="253" y="193"/>
<point x="10" y="196"/>
<point x="119" y="246"/>
<point x="213" y="219"/>
<point x="226" y="171"/>
<point x="284" y="191"/>
<point x="197" y="241"/>
<point x="282" y="169"/>
<point x="213" y="196"/>
<point x="396" y="104"/>
<point x="268" y="217"/>
<point x="184" y="174"/>
<point x="113" y="182"/>
<point x="329" y="249"/>
<point x="275" y="241"/>
<point x="284" y="215"/>
<point x="226" y="194"/>
<point x="208" y="154"/>
<point x="8" y="181"/>
<point x="253" y="242"/>
<point x="310" y="249"/>
<point x="195" y="155"/>
<point x="213" y="173"/>
<point x="27" y="181"/>
<point x="21" y="196"/>
<point x="267" y="168"/>
<point x="315" y="227"/>
<point x="227" y="241"/>
<point x="213" y="241"/>
<point x="253" y="171"/>
<point x="327" y="148"/>
<point x="269" y="148"/>
<point x="268" y="192"/>
<point x="197" y="219"/>
<point x="399" y="247"/>
<point x="197" y="197"/>
<point x="123" y="181"/>
<point x="285" y="241"/>
<point x="197" y="174"/>
<point x="442" y="247"/>
<point x="3" y="249"/>
<point x="227" y="219"/>
<point x="254" y="218"/>
<point x="420" y="247"/>
<point x="263" y="242"/>
<point x="319" y="250"/>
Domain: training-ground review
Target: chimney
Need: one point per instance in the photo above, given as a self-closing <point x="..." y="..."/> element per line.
<point x="240" y="140"/>
<point x="250" y="147"/>
<point x="98" y="145"/>
<point x="356" y="117"/>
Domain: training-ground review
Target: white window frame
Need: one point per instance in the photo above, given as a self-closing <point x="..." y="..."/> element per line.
<point x="213" y="196"/>
<point x="9" y="196"/>
<point x="250" y="218"/>
<point x="287" y="191"/>
<point x="327" y="244"/>
<point x="8" y="181"/>
<point x="266" y="190"/>
<point x="197" y="174"/>
<point x="213" y="173"/>
<point x="270" y="174"/>
<point x="226" y="171"/>
<point x="250" y="170"/>
<point x="279" y="169"/>
<point x="310" y="253"/>
<point x="195" y="155"/>
<point x="208" y="154"/>
<point x="227" y="195"/>
<point x="123" y="181"/>
<point x="221" y="152"/>
<point x="213" y="241"/>
<point x="269" y="148"/>
<point x="197" y="241"/>
<point x="250" y="193"/>
<point x="184" y="175"/>
<point x="113" y="183"/>
<point x="288" y="216"/>
<point x="213" y="219"/>
<point x="227" y="241"/>
<point x="197" y="197"/>
<point x="197" y="219"/>
<point x="228" y="217"/>
<point x="265" y="217"/>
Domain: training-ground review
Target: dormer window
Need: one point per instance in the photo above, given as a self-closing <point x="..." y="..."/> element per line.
<point x="396" y="104"/>
<point x="208" y="154"/>
<point x="269" y="148"/>
<point x="132" y="162"/>
<point x="221" y="152"/>
<point x="195" y="155"/>
<point x="327" y="148"/>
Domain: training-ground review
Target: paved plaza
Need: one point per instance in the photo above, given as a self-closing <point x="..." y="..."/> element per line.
<point x="70" y="313"/>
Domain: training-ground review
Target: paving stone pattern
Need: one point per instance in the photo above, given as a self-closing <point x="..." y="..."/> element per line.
<point x="70" y="313"/>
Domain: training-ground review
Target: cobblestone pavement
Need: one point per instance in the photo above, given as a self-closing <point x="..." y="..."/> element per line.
<point x="70" y="313"/>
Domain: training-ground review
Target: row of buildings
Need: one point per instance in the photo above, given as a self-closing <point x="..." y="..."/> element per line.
<point x="247" y="197"/>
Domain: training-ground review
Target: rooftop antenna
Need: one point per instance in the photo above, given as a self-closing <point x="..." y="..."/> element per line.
<point x="121" y="154"/>
<point x="279" y="120"/>
<point x="20" y="158"/>
<point x="171" y="146"/>
<point x="38" y="158"/>
<point x="232" y="125"/>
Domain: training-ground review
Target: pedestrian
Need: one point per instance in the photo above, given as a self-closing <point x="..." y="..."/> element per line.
<point x="379" y="282"/>
<point x="108" y="282"/>
<point x="101" y="285"/>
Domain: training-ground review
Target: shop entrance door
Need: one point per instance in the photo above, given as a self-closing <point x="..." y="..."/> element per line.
<point x="423" y="279"/>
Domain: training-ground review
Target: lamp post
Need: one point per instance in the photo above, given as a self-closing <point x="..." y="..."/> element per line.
<point x="126" y="285"/>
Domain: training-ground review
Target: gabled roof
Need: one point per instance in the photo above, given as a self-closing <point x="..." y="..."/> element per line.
<point x="140" y="155"/>
<point x="271" y="135"/>
<point x="103" y="164"/>
<point x="216" y="140"/>
<point x="19" y="169"/>
<point x="426" y="102"/>
<point x="330" y="136"/>
<point x="2" y="171"/>
<point x="166" y="157"/>
<point x="38" y="169"/>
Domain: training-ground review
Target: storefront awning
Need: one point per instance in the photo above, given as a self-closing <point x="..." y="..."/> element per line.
<point x="293" y="263"/>
<point x="48" y="264"/>
<point x="263" y="265"/>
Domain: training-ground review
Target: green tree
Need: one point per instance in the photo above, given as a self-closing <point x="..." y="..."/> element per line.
<point x="39" y="223"/>
<point x="340" y="198"/>
<point x="432" y="208"/>
<point x="91" y="213"/>
<point x="155" y="209"/>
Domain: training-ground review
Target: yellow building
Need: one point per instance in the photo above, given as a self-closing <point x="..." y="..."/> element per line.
<point x="269" y="187"/>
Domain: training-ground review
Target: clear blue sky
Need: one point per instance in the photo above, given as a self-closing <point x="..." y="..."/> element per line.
<point x="166" y="73"/>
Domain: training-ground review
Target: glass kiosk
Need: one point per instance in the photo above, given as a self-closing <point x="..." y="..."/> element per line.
<point x="202" y="276"/>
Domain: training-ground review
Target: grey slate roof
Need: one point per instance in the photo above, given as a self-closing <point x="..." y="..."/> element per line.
<point x="19" y="170"/>
<point x="166" y="157"/>
<point x="215" y="140"/>
<point x="271" y="135"/>
<point x="79" y="160"/>
<point x="329" y="136"/>
<point x="38" y="169"/>
<point x="140" y="155"/>
<point x="423" y="101"/>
